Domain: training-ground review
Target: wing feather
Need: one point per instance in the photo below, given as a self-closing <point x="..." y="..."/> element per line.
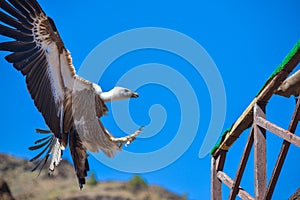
<point x="40" y="145"/>
<point x="87" y="108"/>
<point x="42" y="131"/>
<point x="39" y="53"/>
<point x="13" y="22"/>
<point x="29" y="9"/>
<point x="21" y="55"/>
<point x="48" y="146"/>
<point x="26" y="65"/>
<point x="15" y="34"/>
<point x="22" y="8"/>
<point x="37" y="8"/>
<point x="16" y="46"/>
<point x="43" y="139"/>
<point x="15" y="13"/>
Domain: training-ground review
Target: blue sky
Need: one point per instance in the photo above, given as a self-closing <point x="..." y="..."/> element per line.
<point x="246" y="40"/>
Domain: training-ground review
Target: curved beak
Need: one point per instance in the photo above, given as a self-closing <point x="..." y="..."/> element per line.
<point x="134" y="95"/>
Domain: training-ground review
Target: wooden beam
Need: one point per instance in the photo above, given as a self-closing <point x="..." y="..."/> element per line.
<point x="242" y="166"/>
<point x="242" y="123"/>
<point x="260" y="170"/>
<point x="229" y="183"/>
<point x="216" y="184"/>
<point x="245" y="120"/>
<point x="273" y="128"/>
<point x="283" y="152"/>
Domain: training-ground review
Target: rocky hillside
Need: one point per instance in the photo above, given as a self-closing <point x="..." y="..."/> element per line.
<point x="17" y="178"/>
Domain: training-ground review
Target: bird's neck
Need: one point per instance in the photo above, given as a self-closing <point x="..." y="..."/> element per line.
<point x="111" y="95"/>
<point x="107" y="96"/>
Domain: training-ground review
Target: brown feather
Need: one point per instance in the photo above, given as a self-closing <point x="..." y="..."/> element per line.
<point x="15" y="34"/>
<point x="88" y="105"/>
<point x="19" y="56"/>
<point x="31" y="60"/>
<point x="48" y="146"/>
<point x="12" y="11"/>
<point x="21" y="8"/>
<point x="37" y="8"/>
<point x="42" y="139"/>
<point x="17" y="46"/>
<point x="34" y="85"/>
<point x="79" y="157"/>
<point x="39" y="145"/>
<point x="42" y="131"/>
<point x="68" y="113"/>
<point x="13" y="22"/>
<point x="100" y="107"/>
<point x="26" y="65"/>
<point x="38" y="78"/>
<point x="30" y="8"/>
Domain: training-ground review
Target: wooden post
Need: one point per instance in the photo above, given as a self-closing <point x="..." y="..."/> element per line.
<point x="216" y="184"/>
<point x="217" y="164"/>
<point x="259" y="153"/>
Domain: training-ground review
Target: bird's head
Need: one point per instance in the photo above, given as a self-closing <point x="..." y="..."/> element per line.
<point x="118" y="93"/>
<point x="123" y="93"/>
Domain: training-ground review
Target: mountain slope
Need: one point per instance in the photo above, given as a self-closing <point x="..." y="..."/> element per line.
<point x="25" y="184"/>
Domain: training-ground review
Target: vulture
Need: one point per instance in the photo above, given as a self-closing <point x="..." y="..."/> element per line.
<point x="70" y="105"/>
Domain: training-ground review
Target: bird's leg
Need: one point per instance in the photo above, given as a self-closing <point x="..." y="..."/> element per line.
<point x="127" y="139"/>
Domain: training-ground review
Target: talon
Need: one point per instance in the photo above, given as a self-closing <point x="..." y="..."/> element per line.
<point x="128" y="139"/>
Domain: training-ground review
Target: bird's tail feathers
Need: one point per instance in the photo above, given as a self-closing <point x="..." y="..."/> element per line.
<point x="79" y="156"/>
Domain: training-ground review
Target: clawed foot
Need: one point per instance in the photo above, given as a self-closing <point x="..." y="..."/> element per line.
<point x="127" y="139"/>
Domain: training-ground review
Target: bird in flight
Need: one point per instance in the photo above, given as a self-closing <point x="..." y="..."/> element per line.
<point x="71" y="106"/>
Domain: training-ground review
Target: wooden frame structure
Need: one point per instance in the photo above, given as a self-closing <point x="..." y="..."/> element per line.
<point x="254" y="116"/>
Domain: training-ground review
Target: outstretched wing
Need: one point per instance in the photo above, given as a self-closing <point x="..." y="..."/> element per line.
<point x="87" y="109"/>
<point x="39" y="53"/>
